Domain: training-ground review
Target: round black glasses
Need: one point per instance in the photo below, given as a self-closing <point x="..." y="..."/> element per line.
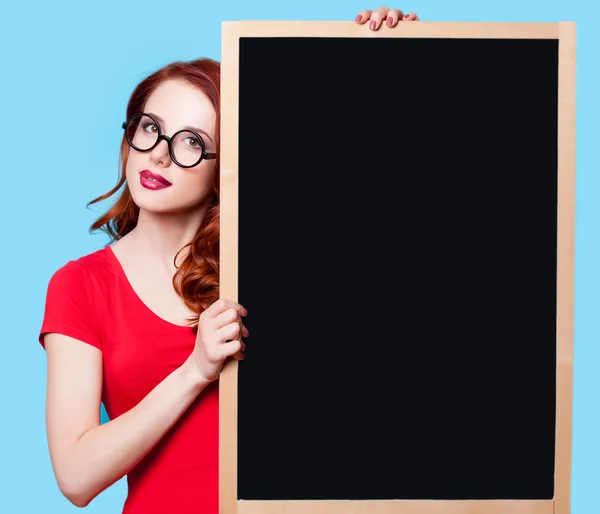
<point x="186" y="147"/>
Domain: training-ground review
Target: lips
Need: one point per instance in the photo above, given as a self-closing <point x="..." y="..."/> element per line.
<point x="153" y="181"/>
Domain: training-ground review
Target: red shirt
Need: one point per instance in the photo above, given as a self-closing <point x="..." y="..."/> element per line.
<point x="91" y="299"/>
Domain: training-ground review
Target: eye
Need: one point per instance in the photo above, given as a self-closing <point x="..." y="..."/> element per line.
<point x="193" y="142"/>
<point x="148" y="126"/>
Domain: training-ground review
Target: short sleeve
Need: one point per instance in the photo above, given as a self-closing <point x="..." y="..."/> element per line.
<point x="69" y="305"/>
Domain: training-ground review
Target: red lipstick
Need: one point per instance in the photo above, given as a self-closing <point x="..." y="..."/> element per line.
<point x="153" y="181"/>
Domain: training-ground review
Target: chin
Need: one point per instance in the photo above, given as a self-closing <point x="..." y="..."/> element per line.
<point x="152" y="202"/>
<point x="155" y="204"/>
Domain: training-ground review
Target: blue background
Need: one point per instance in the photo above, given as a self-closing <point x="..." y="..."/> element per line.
<point x="67" y="70"/>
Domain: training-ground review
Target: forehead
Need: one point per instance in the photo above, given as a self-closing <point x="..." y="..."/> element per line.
<point x="180" y="104"/>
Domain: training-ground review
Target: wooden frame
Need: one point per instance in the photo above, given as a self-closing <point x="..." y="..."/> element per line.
<point x="564" y="32"/>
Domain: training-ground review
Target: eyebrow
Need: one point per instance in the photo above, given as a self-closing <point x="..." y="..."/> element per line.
<point x="187" y="127"/>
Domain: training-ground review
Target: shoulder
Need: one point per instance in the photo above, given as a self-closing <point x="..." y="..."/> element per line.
<point x="84" y="281"/>
<point x="88" y="270"/>
<point x="75" y="298"/>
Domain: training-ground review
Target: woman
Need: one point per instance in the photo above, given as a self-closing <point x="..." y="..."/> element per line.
<point x="146" y="308"/>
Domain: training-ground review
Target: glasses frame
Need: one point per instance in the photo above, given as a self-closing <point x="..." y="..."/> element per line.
<point x="204" y="156"/>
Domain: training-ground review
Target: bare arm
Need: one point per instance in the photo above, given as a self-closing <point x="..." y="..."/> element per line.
<point x="88" y="457"/>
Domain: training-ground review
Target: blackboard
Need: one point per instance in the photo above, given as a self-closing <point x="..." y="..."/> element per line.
<point x="394" y="229"/>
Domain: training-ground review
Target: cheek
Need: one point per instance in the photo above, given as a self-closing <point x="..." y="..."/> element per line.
<point x="130" y="169"/>
<point x="198" y="183"/>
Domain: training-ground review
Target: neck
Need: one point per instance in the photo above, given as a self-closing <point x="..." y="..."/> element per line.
<point x="159" y="236"/>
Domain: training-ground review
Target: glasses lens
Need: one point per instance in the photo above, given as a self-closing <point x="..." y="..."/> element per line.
<point x="142" y="132"/>
<point x="187" y="148"/>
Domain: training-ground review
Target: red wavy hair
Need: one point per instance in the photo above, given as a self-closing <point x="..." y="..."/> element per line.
<point x="196" y="279"/>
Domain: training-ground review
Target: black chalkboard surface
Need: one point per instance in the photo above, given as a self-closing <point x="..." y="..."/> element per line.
<point x="397" y="230"/>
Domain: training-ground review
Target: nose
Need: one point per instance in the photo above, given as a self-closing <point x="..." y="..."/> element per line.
<point x="160" y="153"/>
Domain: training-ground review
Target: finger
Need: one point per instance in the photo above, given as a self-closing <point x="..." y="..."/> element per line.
<point x="229" y="332"/>
<point x="240" y="356"/>
<point x="363" y="17"/>
<point x="377" y="17"/>
<point x="230" y="349"/>
<point x="243" y="332"/>
<point x="223" y="304"/>
<point x="393" y="16"/>
<point x="411" y="16"/>
<point x="219" y="306"/>
<point x="228" y="316"/>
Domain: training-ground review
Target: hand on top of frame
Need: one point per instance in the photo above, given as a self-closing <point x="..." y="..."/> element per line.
<point x="220" y="335"/>
<point x="391" y="17"/>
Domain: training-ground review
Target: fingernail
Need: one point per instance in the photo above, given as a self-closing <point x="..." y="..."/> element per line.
<point x="372" y="25"/>
<point x="389" y="22"/>
<point x="358" y="19"/>
<point x="405" y="16"/>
